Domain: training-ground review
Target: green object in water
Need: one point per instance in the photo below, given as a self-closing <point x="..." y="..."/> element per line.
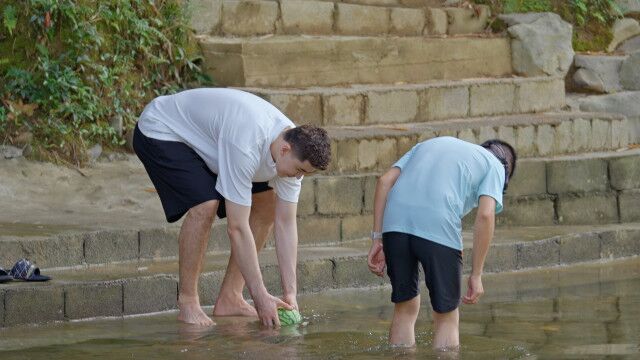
<point x="289" y="317"/>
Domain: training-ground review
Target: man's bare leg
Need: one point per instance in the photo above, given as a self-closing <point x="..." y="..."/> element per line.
<point x="230" y="301"/>
<point x="193" y="238"/>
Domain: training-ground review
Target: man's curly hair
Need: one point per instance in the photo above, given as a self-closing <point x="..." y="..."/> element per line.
<point x="310" y="143"/>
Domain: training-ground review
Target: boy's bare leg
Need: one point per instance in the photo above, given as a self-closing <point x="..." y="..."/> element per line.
<point x="446" y="326"/>
<point x="193" y="238"/>
<point x="404" y="321"/>
<point x="230" y="301"/>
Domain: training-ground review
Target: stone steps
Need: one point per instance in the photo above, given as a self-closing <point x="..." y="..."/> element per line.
<point x="145" y="287"/>
<point x="302" y="17"/>
<point x="376" y="147"/>
<point x="304" y="61"/>
<point x="407" y="103"/>
<point x="586" y="189"/>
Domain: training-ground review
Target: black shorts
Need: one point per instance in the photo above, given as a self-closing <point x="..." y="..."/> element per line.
<point x="442" y="267"/>
<point x="180" y="176"/>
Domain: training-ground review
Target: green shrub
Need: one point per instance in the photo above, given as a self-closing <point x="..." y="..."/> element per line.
<point x="70" y="69"/>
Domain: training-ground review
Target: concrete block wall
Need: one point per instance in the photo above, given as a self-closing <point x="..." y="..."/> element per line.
<point x="295" y="17"/>
<point x="360" y="150"/>
<point x="370" y="105"/>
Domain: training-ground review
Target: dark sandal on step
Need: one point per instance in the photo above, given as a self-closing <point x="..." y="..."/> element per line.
<point x="27" y="271"/>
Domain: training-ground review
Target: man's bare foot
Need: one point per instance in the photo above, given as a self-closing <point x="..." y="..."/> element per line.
<point x="233" y="307"/>
<point x="191" y="313"/>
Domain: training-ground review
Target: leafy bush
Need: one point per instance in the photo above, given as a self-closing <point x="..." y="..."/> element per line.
<point x="592" y="19"/>
<point x="72" y="70"/>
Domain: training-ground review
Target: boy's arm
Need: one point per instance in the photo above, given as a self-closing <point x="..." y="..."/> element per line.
<point x="482" y="235"/>
<point x="243" y="245"/>
<point x="385" y="183"/>
<point x="286" y="234"/>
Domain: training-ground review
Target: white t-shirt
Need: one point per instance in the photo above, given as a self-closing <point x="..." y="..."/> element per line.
<point x="231" y="130"/>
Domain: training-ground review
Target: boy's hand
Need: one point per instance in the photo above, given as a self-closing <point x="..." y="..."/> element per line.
<point x="376" y="258"/>
<point x="474" y="290"/>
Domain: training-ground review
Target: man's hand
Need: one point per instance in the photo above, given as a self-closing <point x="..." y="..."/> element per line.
<point x="267" y="307"/>
<point x="474" y="290"/>
<point x="376" y="258"/>
<point x="291" y="300"/>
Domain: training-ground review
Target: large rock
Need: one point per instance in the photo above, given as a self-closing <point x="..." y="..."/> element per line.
<point x="541" y="43"/>
<point x="467" y="21"/>
<point x="630" y="46"/>
<point x="629" y="6"/>
<point x="598" y="73"/>
<point x="630" y="72"/>
<point x="205" y="15"/>
<point x="625" y="103"/>
<point x="623" y="29"/>
<point x="9" y="152"/>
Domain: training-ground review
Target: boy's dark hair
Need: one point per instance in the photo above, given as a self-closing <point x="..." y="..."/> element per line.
<point x="310" y="143"/>
<point x="506" y="154"/>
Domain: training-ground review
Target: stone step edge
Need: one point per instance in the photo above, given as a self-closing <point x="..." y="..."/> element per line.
<point x="424" y="102"/>
<point x="47" y="303"/>
<point x="540" y="187"/>
<point x="254" y="17"/>
<point x="361" y="149"/>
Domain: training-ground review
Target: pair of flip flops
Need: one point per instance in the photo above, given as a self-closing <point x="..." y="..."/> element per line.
<point x="23" y="270"/>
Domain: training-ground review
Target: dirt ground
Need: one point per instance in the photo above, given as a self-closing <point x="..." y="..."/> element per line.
<point x="106" y="195"/>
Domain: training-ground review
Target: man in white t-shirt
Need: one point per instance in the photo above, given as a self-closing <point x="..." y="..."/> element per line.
<point x="223" y="151"/>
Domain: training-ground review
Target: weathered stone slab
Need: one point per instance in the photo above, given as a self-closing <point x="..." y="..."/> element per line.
<point x="541" y="43"/>
<point x="536" y="310"/>
<point x="538" y="253"/>
<point x="630" y="46"/>
<point x="339" y="195"/>
<point x="620" y="243"/>
<point x="209" y="287"/>
<point x="319" y="230"/>
<point x="493" y="99"/>
<point x="598" y="73"/>
<point x="391" y="107"/>
<point x="151" y="294"/>
<point x="302" y="109"/>
<point x="62" y="250"/>
<point x="343" y="109"/>
<point x="2" y="309"/>
<point x="540" y="95"/>
<point x="527" y="211"/>
<point x="354" y="272"/>
<point x="33" y="305"/>
<point x="92" y="300"/>
<point x="315" y="275"/>
<point x="590" y="208"/>
<point x="356" y="227"/>
<point x="629" y="73"/>
<point x="582" y="175"/>
<point x="108" y="246"/>
<point x="248" y="17"/>
<point x="529" y="179"/>
<point x="625" y="173"/>
<point x="501" y="258"/>
<point x="370" y="183"/>
<point x="206" y="15"/>
<point x="307" y="199"/>
<point x="155" y="243"/>
<point x="361" y="20"/>
<point x="437" y="21"/>
<point x="467" y="21"/>
<point x="629" y="202"/>
<point x="585" y="310"/>
<point x="444" y="103"/>
<point x="623" y="29"/>
<point x="407" y="22"/>
<point x="629" y="6"/>
<point x="578" y="248"/>
<point x="307" y="17"/>
<point x="346" y="158"/>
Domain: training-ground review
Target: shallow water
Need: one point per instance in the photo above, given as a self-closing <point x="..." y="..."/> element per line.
<point x="581" y="312"/>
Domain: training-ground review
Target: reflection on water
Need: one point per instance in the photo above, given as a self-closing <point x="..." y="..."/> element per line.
<point x="590" y="312"/>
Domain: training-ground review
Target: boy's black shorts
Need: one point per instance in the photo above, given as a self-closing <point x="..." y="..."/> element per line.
<point x="180" y="176"/>
<point x="442" y="267"/>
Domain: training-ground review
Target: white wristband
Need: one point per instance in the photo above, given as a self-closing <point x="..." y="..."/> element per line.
<point x="376" y="235"/>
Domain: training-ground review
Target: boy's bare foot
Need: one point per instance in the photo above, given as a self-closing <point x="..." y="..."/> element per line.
<point x="233" y="307"/>
<point x="191" y="313"/>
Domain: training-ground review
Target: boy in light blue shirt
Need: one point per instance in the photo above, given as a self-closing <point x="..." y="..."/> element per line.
<point x="418" y="209"/>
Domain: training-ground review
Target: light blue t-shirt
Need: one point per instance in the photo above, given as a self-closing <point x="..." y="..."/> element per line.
<point x="440" y="181"/>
